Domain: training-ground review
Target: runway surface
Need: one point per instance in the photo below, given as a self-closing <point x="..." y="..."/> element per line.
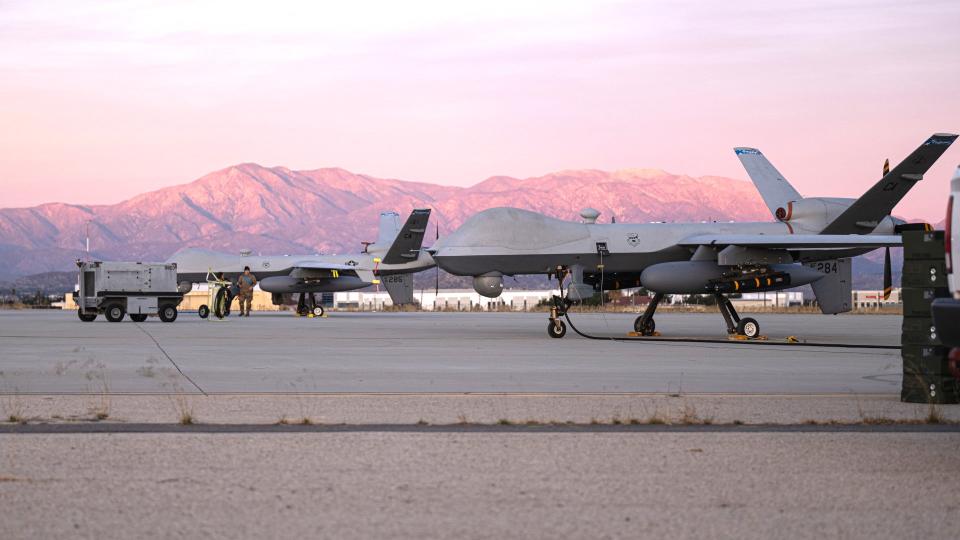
<point x="481" y="485"/>
<point x="51" y="352"/>
<point x="463" y="425"/>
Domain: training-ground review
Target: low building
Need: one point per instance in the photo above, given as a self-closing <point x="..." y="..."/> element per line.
<point x="510" y="300"/>
<point x="777" y="299"/>
<point x="445" y="300"/>
<point x="874" y="299"/>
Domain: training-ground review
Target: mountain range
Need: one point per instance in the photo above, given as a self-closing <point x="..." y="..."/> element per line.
<point x="331" y="210"/>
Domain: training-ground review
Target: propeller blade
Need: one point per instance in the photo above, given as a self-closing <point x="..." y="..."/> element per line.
<point x="887" y="276"/>
<point x="886" y="166"/>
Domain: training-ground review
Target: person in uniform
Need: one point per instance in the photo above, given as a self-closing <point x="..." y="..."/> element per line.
<point x="246" y="282"/>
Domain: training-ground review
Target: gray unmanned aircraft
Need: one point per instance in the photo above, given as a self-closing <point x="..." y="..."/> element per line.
<point x="810" y="242"/>
<point x="391" y="260"/>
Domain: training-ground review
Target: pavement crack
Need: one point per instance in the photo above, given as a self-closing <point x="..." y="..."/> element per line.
<point x="157" y="343"/>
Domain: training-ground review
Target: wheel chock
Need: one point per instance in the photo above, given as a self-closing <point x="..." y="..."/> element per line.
<point x="741" y="337"/>
<point x="310" y="315"/>
<point x="638" y="334"/>
<point x="793" y="339"/>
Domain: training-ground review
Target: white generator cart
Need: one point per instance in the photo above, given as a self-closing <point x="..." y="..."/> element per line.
<point x="127" y="288"/>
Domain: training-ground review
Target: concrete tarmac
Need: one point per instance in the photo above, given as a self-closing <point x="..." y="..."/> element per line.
<point x="52" y="352"/>
<point x="480" y="485"/>
<point x="671" y="439"/>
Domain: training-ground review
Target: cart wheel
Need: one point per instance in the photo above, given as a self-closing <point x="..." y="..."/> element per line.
<point x="318" y="311"/>
<point x="89" y="316"/>
<point x="114" y="312"/>
<point x="204" y="311"/>
<point x="138" y="317"/>
<point x="221" y="305"/>
<point x="168" y="313"/>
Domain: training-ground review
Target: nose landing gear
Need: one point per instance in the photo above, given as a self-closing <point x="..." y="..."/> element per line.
<point x="556" y="328"/>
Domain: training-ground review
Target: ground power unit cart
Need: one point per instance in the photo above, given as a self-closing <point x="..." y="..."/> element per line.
<point x="127" y="288"/>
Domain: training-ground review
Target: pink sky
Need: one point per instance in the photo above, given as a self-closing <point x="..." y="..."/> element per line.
<point x="100" y="101"/>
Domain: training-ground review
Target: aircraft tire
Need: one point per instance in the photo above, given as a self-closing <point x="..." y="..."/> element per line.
<point x="556" y="329"/>
<point x="89" y="316"/>
<point x="644" y="329"/>
<point x="748" y="327"/>
<point x="138" y="317"/>
<point x="318" y="311"/>
<point x="204" y="311"/>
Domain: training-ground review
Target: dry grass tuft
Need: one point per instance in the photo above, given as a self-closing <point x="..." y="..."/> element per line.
<point x="100" y="408"/>
<point x="935" y="415"/>
<point x="656" y="419"/>
<point x="690" y="417"/>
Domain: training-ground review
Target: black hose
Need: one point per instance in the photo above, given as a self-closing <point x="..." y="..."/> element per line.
<point x="731" y="341"/>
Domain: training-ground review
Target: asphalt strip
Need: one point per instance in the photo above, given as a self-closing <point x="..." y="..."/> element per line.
<point x="93" y="428"/>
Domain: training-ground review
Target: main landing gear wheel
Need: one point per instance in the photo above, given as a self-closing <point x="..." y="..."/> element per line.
<point x="307" y="306"/>
<point x="748" y="327"/>
<point x="138" y="317"/>
<point x="556" y="328"/>
<point x="114" y="312"/>
<point x="89" y="316"/>
<point x="204" y="311"/>
<point x="644" y="328"/>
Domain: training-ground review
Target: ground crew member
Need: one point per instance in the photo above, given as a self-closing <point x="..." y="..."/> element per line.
<point x="246" y="282"/>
